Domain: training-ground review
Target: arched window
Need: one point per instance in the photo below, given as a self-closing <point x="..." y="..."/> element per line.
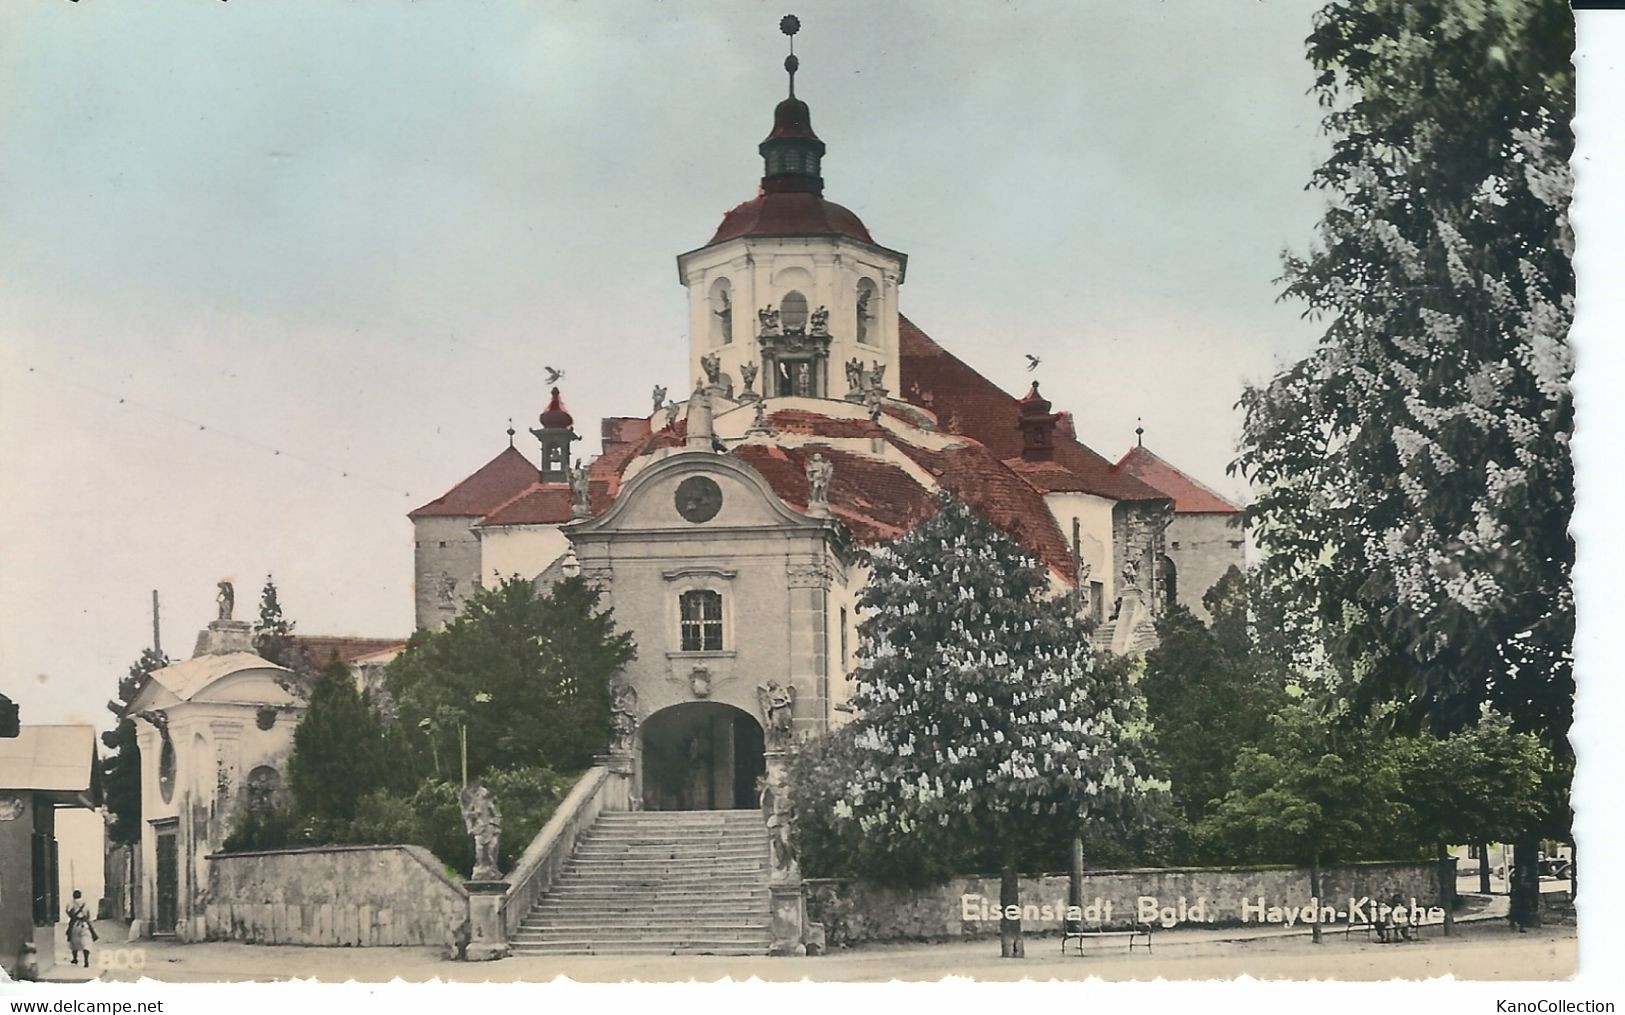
<point x="701" y="613"/>
<point x="1168" y="574"/>
<point x="722" y="312"/>
<point x="793" y="312"/>
<point x="868" y="310"/>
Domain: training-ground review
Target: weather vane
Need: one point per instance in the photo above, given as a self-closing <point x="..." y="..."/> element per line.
<point x="790" y="25"/>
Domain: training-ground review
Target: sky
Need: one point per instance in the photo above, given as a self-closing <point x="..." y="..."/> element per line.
<point x="274" y="274"/>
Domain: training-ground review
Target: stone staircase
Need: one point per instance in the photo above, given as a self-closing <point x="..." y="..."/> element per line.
<point x="658" y="883"/>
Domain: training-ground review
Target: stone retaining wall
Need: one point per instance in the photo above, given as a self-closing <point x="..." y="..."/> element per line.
<point x="857" y="912"/>
<point x="333" y="895"/>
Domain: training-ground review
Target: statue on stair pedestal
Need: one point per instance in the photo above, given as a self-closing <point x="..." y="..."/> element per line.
<point x="483" y="822"/>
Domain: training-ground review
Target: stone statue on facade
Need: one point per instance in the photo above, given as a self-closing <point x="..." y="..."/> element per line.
<point x="226" y="600"/>
<point x="747" y="372"/>
<point x="580" y="492"/>
<point x="877" y="377"/>
<point x="863" y="314"/>
<point x="872" y="401"/>
<point x="483" y="823"/>
<point x="448" y="591"/>
<point x="854" y="374"/>
<point x="819" y="471"/>
<point x="758" y="424"/>
<point x="769" y="318"/>
<point x="725" y="315"/>
<point x="671" y="414"/>
<point x="778" y="708"/>
<point x="711" y="363"/>
<point x="819" y="324"/>
<point x="659" y="397"/>
<point x="623" y="719"/>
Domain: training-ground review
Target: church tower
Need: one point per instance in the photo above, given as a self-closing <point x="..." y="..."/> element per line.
<point x="791" y="292"/>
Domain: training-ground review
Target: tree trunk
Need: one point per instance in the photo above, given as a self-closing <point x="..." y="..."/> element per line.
<point x="1524" y="909"/>
<point x="1574" y="873"/>
<point x="1010" y="943"/>
<point x="1314" y="894"/>
<point x="1074" y="883"/>
<point x="1483" y="868"/>
<point x="1447" y="888"/>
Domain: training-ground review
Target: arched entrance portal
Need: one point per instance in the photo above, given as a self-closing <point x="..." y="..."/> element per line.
<point x="701" y="755"/>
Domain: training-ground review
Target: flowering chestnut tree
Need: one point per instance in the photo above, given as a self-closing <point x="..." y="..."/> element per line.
<point x="1413" y="475"/>
<point x="982" y="709"/>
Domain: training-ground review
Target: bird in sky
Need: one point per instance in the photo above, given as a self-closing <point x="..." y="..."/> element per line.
<point x="553" y="376"/>
<point x="1032" y="361"/>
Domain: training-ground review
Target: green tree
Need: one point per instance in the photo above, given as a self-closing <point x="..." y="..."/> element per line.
<point x="1211" y="690"/>
<point x="273" y="633"/>
<point x="524" y="675"/>
<point x="1413" y="473"/>
<point x="1494" y="783"/>
<point x="1317" y="789"/>
<point x="121" y="768"/>
<point x="338" y="751"/>
<point x="982" y="713"/>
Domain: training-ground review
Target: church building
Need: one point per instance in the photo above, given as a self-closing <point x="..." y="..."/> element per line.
<point x="725" y="526"/>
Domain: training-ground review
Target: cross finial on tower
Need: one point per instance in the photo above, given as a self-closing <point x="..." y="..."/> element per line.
<point x="510" y="431"/>
<point x="1139" y="431"/>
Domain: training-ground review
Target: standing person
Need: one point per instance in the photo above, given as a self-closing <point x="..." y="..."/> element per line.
<point x="81" y="932"/>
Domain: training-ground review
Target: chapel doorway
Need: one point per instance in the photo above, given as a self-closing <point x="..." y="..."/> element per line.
<point x="701" y="755"/>
<point x="168" y="908"/>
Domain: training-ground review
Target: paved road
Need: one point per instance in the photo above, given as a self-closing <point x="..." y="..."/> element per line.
<point x="1480" y="951"/>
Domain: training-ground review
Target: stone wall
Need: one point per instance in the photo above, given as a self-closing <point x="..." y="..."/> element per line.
<point x="1203" y="547"/>
<point x="333" y="895"/>
<point x="442" y="548"/>
<point x="857" y="912"/>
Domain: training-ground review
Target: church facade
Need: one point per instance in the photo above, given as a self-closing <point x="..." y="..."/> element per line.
<point x="726" y="526"/>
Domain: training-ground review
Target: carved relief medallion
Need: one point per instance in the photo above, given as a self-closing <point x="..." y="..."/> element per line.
<point x="699" y="499"/>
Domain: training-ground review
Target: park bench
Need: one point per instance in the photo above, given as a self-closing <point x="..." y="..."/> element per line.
<point x="1138" y="933"/>
<point x="1387" y="929"/>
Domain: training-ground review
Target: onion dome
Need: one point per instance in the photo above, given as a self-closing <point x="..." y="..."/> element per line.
<point x="554" y="417"/>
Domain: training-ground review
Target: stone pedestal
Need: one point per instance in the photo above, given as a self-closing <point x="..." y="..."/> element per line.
<point x="789" y="919"/>
<point x="621" y="791"/>
<point x="487" y="936"/>
<point x="223" y="637"/>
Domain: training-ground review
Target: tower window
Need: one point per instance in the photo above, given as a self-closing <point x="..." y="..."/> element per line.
<point x="793" y="312"/>
<point x="867" y="306"/>
<point x="701" y="620"/>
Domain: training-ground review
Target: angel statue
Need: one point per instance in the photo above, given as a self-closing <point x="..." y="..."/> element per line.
<point x="659" y="396"/>
<point x="226" y="598"/>
<point x="877" y="376"/>
<point x="747" y="373"/>
<point x="711" y="363"/>
<point x="820" y="322"/>
<point x="769" y="318"/>
<point x="778" y="704"/>
<point x="483" y="822"/>
<point x="854" y="374"/>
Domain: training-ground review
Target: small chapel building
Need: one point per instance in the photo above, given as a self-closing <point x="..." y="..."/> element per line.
<point x="725" y="526"/>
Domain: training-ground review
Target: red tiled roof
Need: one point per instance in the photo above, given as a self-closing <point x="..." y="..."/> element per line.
<point x="970" y="404"/>
<point x="549" y="504"/>
<point x="1189" y="496"/>
<point x="879" y="501"/>
<point x="790" y="213"/>
<point x="322" y="650"/>
<point x="494" y="483"/>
